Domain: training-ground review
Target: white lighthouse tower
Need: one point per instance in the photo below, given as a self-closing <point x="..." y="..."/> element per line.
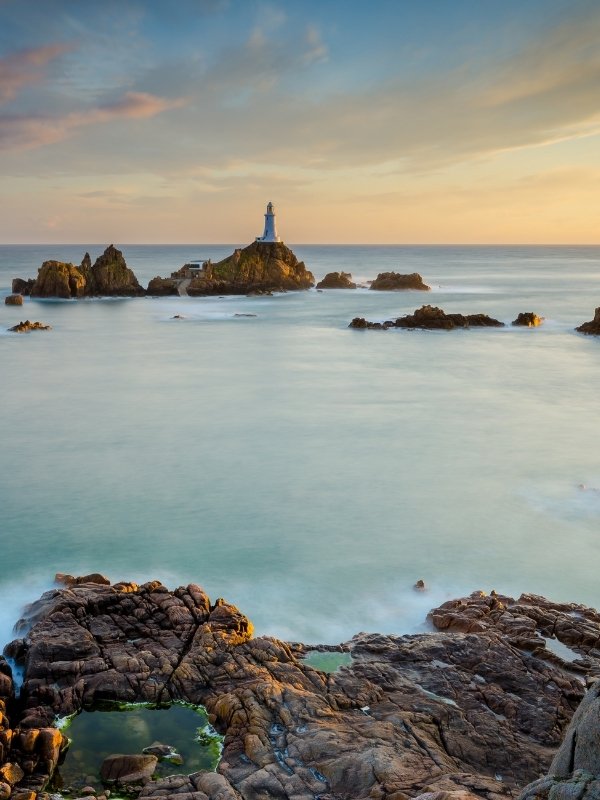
<point x="270" y="234"/>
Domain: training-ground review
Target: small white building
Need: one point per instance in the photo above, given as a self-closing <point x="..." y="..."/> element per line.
<point x="270" y="234"/>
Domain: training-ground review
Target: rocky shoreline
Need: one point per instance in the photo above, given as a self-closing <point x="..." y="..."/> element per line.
<point x="477" y="708"/>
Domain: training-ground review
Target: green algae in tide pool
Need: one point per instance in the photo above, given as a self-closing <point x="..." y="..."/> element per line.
<point x="327" y="661"/>
<point x="128" y="729"/>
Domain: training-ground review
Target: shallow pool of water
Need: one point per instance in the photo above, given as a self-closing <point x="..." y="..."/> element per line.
<point x="128" y="729"/>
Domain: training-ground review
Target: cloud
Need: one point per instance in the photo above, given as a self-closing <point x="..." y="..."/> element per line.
<point x="25" y="67"/>
<point x="26" y="132"/>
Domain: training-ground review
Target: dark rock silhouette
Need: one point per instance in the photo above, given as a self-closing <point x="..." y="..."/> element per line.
<point x="432" y="318"/>
<point x="396" y="282"/>
<point x="337" y="280"/>
<point x="592" y="328"/>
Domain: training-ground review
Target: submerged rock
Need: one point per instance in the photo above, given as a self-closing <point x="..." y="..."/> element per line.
<point x="437" y="712"/>
<point x="593" y="327"/>
<point x="430" y="317"/>
<point x="337" y="280"/>
<point x="528" y="319"/>
<point x="262" y="267"/>
<point x="396" y="282"/>
<point x="27" y="325"/>
<point x="128" y="769"/>
<point x="13" y="300"/>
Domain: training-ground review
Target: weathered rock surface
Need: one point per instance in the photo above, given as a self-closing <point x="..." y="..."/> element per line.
<point x="13" y="300"/>
<point x="528" y="319"/>
<point x="397" y="282"/>
<point x="432" y="318"/>
<point x="27" y="325"/>
<point x="19" y="286"/>
<point x="593" y="327"/>
<point x="337" y="280"/>
<point x="163" y="287"/>
<point x="108" y="277"/>
<point x="128" y="769"/>
<point x="111" y="277"/>
<point x="477" y="709"/>
<point x="260" y="267"/>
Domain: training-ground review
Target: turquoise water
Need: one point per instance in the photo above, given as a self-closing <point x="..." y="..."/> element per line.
<point x="307" y="472"/>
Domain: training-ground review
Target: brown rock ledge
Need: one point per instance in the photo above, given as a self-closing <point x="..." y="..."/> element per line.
<point x="478" y="708"/>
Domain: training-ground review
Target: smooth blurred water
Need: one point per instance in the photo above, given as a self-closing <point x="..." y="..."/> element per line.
<point x="307" y="472"/>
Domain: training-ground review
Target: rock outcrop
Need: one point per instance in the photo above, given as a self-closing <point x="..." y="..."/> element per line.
<point x="527" y="319"/>
<point x="432" y="318"/>
<point x="19" y="286"/>
<point x="397" y="282"/>
<point x="60" y="279"/>
<point x="478" y="708"/>
<point x="13" y="300"/>
<point x="27" y="325"/>
<point x="593" y="327"/>
<point x="261" y="267"/>
<point x="337" y="280"/>
<point x="111" y="277"/>
<point x="108" y="277"/>
<point x="163" y="287"/>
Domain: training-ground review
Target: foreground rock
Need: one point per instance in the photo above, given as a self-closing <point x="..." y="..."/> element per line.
<point x="27" y="325"/>
<point x="262" y="267"/>
<point x="479" y="707"/>
<point x="593" y="327"/>
<point x="528" y="319"/>
<point x="108" y="277"/>
<point x="396" y="282"/>
<point x="337" y="280"/>
<point x="432" y="318"/>
<point x="13" y="300"/>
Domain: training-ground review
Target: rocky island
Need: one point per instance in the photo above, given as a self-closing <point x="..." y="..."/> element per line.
<point x="477" y="709"/>
<point x="337" y="280"/>
<point x="431" y="318"/>
<point x="397" y="282"/>
<point x="108" y="277"/>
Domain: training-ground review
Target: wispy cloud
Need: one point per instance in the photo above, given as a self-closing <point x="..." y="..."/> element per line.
<point x="26" y="132"/>
<point x="25" y="67"/>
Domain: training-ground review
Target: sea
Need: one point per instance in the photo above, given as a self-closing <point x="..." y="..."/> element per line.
<point x="307" y="472"/>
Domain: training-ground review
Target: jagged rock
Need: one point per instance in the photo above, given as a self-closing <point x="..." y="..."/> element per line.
<point x="261" y="267"/>
<point x="337" y="280"/>
<point x="432" y="318"/>
<point x="163" y="287"/>
<point x="127" y="769"/>
<point x="19" y="286"/>
<point x="59" y="279"/>
<point x="395" y="282"/>
<point x="111" y="277"/>
<point x="528" y="319"/>
<point x="593" y="327"/>
<point x="27" y="325"/>
<point x="13" y="300"/>
<point x="443" y="712"/>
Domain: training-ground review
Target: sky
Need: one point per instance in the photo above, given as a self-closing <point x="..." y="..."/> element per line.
<point x="389" y="121"/>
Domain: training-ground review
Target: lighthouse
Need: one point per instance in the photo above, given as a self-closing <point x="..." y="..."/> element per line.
<point x="270" y="234"/>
